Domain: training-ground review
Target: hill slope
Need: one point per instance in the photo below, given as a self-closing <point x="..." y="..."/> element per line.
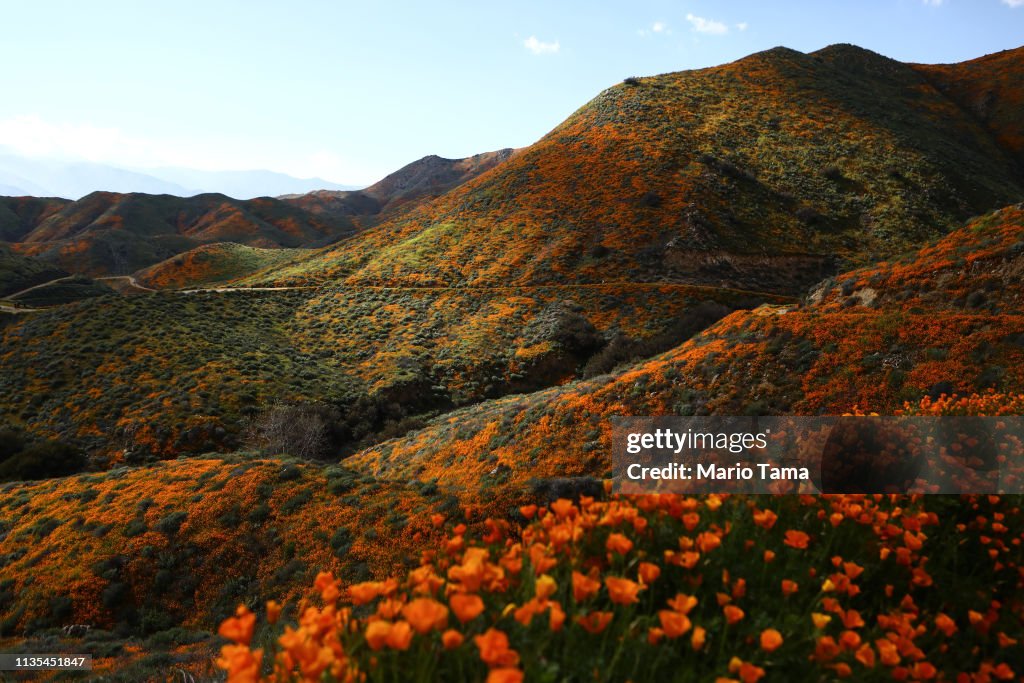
<point x="767" y="173"/>
<point x="113" y="234"/>
<point x="409" y="186"/>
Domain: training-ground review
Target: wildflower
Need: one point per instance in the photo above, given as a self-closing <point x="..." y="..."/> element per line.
<point x="765" y="518"/>
<point x="466" y="606"/>
<point x="820" y="620"/>
<point x="545" y="587"/>
<point x="425" y="615"/>
<point x="699" y="637"/>
<point x="622" y="591"/>
<point x="505" y="675"/>
<point x="673" y="623"/>
<point x="595" y="622"/>
<point x="241" y="663"/>
<point x="564" y="509"/>
<point x="451" y="639"/>
<point x="584" y="587"/>
<point x="789" y="587"/>
<point x="733" y="613"/>
<point x="796" y="539"/>
<point x="494" y="649"/>
<point x="865" y="655"/>
<point x="708" y="541"/>
<point x="328" y="586"/>
<point x="618" y="543"/>
<point x="273" y="611"/>
<point x="945" y="624"/>
<point x="556" y="616"/>
<point x="528" y="511"/>
<point x="649" y="572"/>
<point x="683" y="603"/>
<point x="771" y="640"/>
<point x="240" y="627"/>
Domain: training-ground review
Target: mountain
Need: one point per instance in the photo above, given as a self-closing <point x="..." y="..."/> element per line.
<point x="794" y="234"/>
<point x="106" y="233"/>
<point x="768" y="173"/>
<point x="22" y="176"/>
<point x="412" y="185"/>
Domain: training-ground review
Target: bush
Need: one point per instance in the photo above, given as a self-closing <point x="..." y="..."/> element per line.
<point x="39" y="461"/>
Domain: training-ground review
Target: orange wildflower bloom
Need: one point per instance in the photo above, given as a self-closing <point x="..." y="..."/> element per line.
<point x="273" y="611"/>
<point x="545" y="587"/>
<point x="765" y="518"/>
<point x="556" y="616"/>
<point x="528" y="511"/>
<point x="451" y="639"/>
<point x="595" y="622"/>
<point x="673" y="623"/>
<point x="466" y="606"/>
<point x="820" y="620"/>
<point x="649" y="572"/>
<point x="865" y="655"/>
<point x="622" y="591"/>
<point x="240" y="627"/>
<point x="241" y="663"/>
<point x="945" y="624"/>
<point x="505" y="675"/>
<point x="426" y="615"/>
<point x="494" y="649"/>
<point x="733" y="613"/>
<point x="771" y="640"/>
<point x="796" y="539"/>
<point x="708" y="541"/>
<point x="584" y="587"/>
<point x="618" y="543"/>
<point x="563" y="508"/>
<point x="328" y="586"/>
<point x="683" y="603"/>
<point x="789" y="587"/>
<point x="700" y="636"/>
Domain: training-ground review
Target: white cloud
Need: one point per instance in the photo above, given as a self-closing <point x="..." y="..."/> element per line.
<point x="539" y="47"/>
<point x="659" y="27"/>
<point x="936" y="3"/>
<point x="742" y="26"/>
<point x="1014" y="3"/>
<point x="709" y="26"/>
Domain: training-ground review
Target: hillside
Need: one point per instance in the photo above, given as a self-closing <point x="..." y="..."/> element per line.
<point x="113" y="234"/>
<point x="224" y="530"/>
<point x="209" y="264"/>
<point x="413" y="184"/>
<point x="768" y="173"/>
<point x="428" y="398"/>
<point x="822" y="359"/>
<point x="21" y="272"/>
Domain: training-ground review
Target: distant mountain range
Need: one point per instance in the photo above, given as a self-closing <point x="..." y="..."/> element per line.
<point x="21" y="176"/>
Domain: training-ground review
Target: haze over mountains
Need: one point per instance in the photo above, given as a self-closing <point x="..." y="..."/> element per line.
<point x="22" y="176"/>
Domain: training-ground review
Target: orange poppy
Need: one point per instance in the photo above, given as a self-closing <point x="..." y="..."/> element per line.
<point x="466" y="606"/>
<point x="426" y="615"/>
<point x="649" y="572"/>
<point x="595" y="622"/>
<point x="796" y="539"/>
<point x="622" y="591"/>
<point x="505" y="675"/>
<point x="584" y="587"/>
<point x="733" y="613"/>
<point x="771" y="640"/>
<point x="240" y="627"/>
<point x="451" y="639"/>
<point x="673" y="623"/>
<point x="618" y="543"/>
<point x="494" y="649"/>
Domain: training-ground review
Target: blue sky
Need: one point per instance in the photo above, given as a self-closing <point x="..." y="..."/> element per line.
<point x="351" y="91"/>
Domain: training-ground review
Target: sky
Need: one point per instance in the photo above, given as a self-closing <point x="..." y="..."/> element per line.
<point x="350" y="91"/>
